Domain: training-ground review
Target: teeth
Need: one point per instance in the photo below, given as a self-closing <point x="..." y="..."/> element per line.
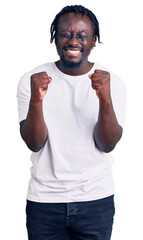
<point x="73" y="51"/>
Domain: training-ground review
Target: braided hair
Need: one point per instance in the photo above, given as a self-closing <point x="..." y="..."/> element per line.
<point x="75" y="9"/>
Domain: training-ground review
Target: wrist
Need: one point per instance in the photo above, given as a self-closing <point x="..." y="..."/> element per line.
<point x="34" y="102"/>
<point x="105" y="101"/>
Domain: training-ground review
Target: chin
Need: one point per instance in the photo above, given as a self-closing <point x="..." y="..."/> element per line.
<point x="71" y="64"/>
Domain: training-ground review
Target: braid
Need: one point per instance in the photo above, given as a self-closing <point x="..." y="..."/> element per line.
<point x="75" y="9"/>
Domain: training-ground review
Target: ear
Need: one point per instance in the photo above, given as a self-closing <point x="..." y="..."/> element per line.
<point x="94" y="42"/>
<point x="55" y="38"/>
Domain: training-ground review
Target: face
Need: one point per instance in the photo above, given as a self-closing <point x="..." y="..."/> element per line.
<point x="74" y="39"/>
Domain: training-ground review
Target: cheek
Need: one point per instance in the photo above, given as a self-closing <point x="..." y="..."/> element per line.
<point x="87" y="47"/>
<point x="60" y="44"/>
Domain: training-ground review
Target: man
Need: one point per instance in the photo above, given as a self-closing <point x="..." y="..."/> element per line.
<point x="71" y="115"/>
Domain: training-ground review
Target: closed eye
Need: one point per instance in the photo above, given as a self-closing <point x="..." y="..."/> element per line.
<point x="80" y="36"/>
<point x="66" y="34"/>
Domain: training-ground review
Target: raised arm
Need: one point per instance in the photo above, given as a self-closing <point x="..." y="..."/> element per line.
<point x="107" y="131"/>
<point x="33" y="129"/>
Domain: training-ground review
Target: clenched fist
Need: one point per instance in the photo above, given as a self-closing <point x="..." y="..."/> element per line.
<point x="101" y="84"/>
<point x="39" y="86"/>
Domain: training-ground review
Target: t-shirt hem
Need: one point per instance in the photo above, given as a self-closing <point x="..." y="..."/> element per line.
<point x="68" y="200"/>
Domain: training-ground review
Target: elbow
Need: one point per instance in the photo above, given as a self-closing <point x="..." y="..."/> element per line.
<point x="105" y="148"/>
<point x="33" y="148"/>
<point x="108" y="149"/>
<point x="33" y="145"/>
<point x="107" y="145"/>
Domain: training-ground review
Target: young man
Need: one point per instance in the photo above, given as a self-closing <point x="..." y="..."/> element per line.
<point x="71" y="115"/>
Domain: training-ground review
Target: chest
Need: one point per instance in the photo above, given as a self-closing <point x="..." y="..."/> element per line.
<point x="71" y="101"/>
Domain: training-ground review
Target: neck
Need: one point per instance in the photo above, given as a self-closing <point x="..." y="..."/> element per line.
<point x="83" y="69"/>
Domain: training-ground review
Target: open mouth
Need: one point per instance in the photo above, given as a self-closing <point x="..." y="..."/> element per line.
<point x="74" y="53"/>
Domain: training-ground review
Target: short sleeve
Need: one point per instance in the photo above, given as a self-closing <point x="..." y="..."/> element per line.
<point x="23" y="97"/>
<point x="119" y="98"/>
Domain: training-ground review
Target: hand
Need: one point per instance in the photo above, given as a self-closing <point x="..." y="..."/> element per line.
<point x="39" y="86"/>
<point x="101" y="84"/>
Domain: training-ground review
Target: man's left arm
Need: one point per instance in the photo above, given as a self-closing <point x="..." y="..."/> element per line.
<point x="107" y="130"/>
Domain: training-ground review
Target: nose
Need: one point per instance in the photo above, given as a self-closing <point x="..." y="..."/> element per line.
<point x="74" y="41"/>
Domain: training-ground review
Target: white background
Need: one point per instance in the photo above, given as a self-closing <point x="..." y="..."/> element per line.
<point x="25" y="44"/>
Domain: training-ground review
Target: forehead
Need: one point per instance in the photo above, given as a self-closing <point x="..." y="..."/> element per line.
<point x="72" y="21"/>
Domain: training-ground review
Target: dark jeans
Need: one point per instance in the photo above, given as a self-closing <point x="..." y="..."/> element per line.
<point x="70" y="221"/>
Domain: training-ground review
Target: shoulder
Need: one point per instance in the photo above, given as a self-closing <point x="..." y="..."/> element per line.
<point x="42" y="68"/>
<point x="25" y="79"/>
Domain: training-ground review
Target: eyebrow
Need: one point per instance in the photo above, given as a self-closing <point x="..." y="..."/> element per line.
<point x="62" y="31"/>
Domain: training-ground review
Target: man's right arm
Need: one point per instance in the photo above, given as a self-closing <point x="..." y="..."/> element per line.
<point x="33" y="129"/>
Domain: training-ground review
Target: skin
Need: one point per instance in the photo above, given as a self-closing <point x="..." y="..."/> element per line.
<point x="107" y="131"/>
<point x="33" y="130"/>
<point x="75" y="33"/>
<point x="74" y="42"/>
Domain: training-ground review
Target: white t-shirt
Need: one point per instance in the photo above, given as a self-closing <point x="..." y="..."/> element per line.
<point x="70" y="168"/>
